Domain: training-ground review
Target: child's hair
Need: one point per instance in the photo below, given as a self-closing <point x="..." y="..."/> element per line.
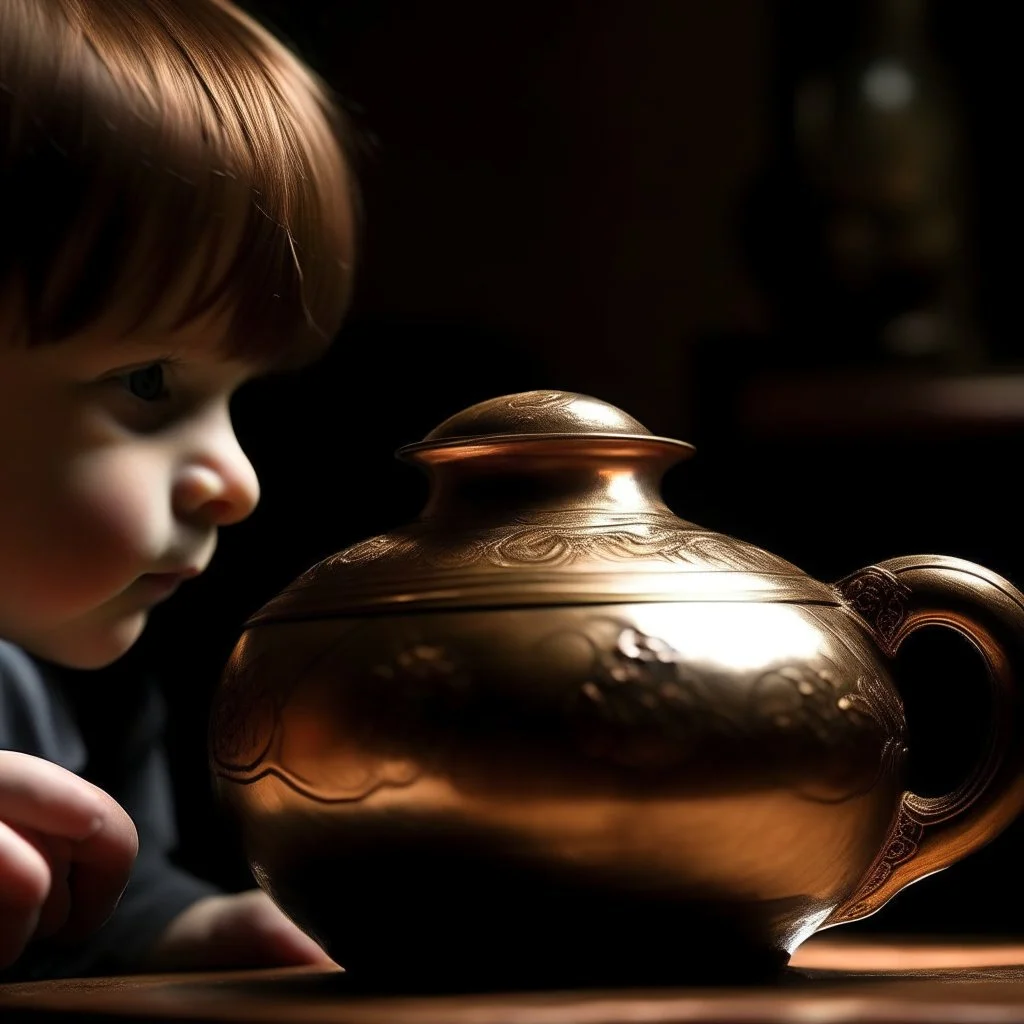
<point x="169" y="157"/>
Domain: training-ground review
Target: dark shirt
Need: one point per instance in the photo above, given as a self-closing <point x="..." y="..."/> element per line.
<point x="113" y="738"/>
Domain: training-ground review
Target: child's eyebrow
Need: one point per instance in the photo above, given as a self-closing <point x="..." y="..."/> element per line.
<point x="140" y="364"/>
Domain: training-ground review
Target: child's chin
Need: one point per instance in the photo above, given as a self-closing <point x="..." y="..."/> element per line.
<point x="96" y="646"/>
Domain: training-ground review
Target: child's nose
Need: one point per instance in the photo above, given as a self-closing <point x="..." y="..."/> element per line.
<point x="218" y="486"/>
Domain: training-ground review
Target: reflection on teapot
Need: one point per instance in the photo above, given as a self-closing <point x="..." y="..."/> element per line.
<point x="550" y="734"/>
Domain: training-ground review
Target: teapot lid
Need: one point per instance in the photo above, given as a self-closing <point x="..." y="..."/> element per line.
<point x="533" y="416"/>
<point x="541" y="498"/>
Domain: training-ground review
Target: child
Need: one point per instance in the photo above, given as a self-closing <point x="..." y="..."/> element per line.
<point x="176" y="217"/>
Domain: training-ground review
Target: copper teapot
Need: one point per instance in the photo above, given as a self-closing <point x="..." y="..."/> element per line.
<point x="550" y="734"/>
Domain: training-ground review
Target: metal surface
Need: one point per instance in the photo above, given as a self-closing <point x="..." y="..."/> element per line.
<point x="550" y="734"/>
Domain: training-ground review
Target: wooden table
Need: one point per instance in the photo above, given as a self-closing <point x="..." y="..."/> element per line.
<point x="832" y="982"/>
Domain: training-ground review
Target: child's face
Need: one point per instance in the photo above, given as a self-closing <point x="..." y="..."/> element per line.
<point x="117" y="466"/>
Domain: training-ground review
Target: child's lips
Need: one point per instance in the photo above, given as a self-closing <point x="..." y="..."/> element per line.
<point x="163" y="584"/>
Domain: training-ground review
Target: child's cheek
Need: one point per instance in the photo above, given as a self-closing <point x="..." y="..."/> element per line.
<point x="118" y="514"/>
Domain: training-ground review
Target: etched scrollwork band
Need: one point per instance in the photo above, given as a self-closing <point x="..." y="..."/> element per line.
<point x="902" y="845"/>
<point x="561" y="539"/>
<point x="880" y="599"/>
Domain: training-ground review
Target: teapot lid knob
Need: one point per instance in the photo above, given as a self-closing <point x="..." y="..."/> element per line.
<point x="533" y="415"/>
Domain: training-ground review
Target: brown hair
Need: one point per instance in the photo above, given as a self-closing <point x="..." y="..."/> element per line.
<point x="169" y="157"/>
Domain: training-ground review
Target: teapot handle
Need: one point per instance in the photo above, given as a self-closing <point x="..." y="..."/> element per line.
<point x="895" y="598"/>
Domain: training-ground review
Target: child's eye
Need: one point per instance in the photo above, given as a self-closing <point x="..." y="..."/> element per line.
<point x="147" y="383"/>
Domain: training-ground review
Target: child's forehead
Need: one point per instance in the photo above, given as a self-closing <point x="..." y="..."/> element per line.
<point x="203" y="339"/>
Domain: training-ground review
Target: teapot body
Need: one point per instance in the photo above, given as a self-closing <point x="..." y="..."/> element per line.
<point x="555" y="786"/>
<point x="550" y="734"/>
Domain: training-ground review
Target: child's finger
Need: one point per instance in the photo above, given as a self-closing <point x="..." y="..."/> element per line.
<point x="48" y="798"/>
<point x="274" y="938"/>
<point x="24" y="887"/>
<point x="56" y="851"/>
<point x="100" y="867"/>
<point x="37" y="795"/>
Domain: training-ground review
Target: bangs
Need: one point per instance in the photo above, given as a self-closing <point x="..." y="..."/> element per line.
<point x="164" y="160"/>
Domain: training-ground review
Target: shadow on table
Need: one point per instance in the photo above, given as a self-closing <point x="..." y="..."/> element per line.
<point x="794" y="980"/>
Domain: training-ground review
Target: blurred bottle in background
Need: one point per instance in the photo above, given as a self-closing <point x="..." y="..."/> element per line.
<point x="862" y="233"/>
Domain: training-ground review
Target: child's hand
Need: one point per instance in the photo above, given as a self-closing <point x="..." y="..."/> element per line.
<point x="245" y="929"/>
<point x="66" y="850"/>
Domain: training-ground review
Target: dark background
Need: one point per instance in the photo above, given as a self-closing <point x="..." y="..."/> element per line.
<point x="592" y="195"/>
